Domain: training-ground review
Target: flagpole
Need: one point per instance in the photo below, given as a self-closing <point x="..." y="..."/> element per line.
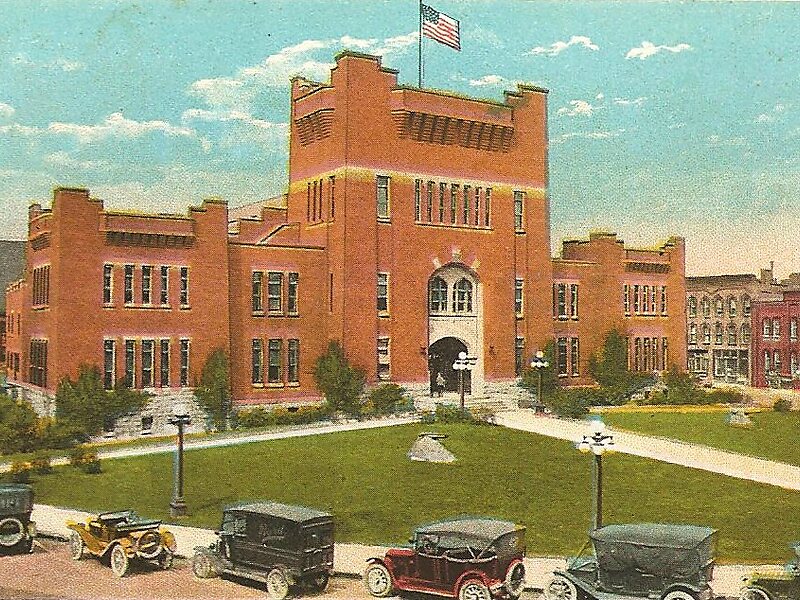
<point x="420" y="44"/>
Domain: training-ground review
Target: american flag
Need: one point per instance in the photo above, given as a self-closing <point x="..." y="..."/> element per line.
<point x="438" y="26"/>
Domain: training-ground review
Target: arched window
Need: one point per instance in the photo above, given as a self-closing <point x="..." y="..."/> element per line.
<point x="746" y="305"/>
<point x="731" y="334"/>
<point x="706" y="333"/>
<point x="732" y="307"/>
<point x="776" y="328"/>
<point x="767" y="328"/>
<point x="719" y="307"/>
<point x="705" y="307"/>
<point x="692" y="333"/>
<point x="718" y="334"/>
<point x="745" y="336"/>
<point x="692" y="306"/>
<point x="462" y="295"/>
<point x="437" y="291"/>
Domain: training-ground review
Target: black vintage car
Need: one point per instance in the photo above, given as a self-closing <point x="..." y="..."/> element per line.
<point x="16" y="528"/>
<point x="277" y="544"/>
<point x="775" y="585"/>
<point x="648" y="560"/>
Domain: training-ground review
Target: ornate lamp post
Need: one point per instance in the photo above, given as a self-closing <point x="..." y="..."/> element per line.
<point x="463" y="363"/>
<point x="598" y="442"/>
<point x="539" y="364"/>
<point x="180" y="418"/>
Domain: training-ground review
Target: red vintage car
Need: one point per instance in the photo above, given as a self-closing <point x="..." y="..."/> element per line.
<point x="466" y="558"/>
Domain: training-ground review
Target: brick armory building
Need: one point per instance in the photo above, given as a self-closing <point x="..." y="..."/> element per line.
<point x="416" y="226"/>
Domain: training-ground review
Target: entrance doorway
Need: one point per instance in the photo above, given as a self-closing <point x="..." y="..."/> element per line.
<point x="441" y="356"/>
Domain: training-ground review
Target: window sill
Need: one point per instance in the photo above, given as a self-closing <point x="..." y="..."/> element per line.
<point x="519" y="316"/>
<point x="257" y="385"/>
<point x="275" y="313"/>
<point x="258" y="313"/>
<point x="294" y="315"/>
<point x="383" y="314"/>
<point x="185" y="307"/>
<point x="387" y="220"/>
<point x="146" y="432"/>
<point x="293" y="384"/>
<point x="274" y="385"/>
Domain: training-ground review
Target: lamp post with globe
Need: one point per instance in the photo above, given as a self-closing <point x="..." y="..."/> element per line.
<point x="180" y="418"/>
<point x="461" y="364"/>
<point x="597" y="441"/>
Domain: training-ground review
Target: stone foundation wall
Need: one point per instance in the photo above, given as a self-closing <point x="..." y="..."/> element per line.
<point x="43" y="404"/>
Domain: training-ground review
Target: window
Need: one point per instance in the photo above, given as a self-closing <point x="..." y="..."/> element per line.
<point x="718" y="333"/>
<point x="519" y="204"/>
<point x="719" y="307"/>
<point x="746" y="306"/>
<point x="519" y="285"/>
<point x="462" y="296"/>
<point x="731" y="334"/>
<point x="653" y="292"/>
<point x="184" y="286"/>
<point x="442" y="192"/>
<point x="477" y="206"/>
<point x="519" y="355"/>
<point x="664" y="354"/>
<point x="147" y="284"/>
<point x="767" y="328"/>
<point x="705" y="307"/>
<point x="164" y="363"/>
<point x="130" y="363"/>
<point x="732" y="306"/>
<point x="108" y="283"/>
<point x="636" y="304"/>
<point x="793" y="329"/>
<point x="437" y="295"/>
<point x="128" y="293"/>
<point x="383" y="293"/>
<point x="487" y="207"/>
<point x="453" y="203"/>
<point x="776" y="329"/>
<point x="274" y="371"/>
<point x="626" y="299"/>
<point x="561" y="356"/>
<point x="637" y="354"/>
<point x="164" y="285"/>
<point x="573" y="300"/>
<point x="793" y="365"/>
<point x="560" y="300"/>
<point x="417" y="200"/>
<point x="383" y="358"/>
<point x="332" y="197"/>
<point x="706" y="333"/>
<point x="776" y="361"/>
<point x="184" y="363"/>
<point x="692" y="306"/>
<point x="257" y="376"/>
<point x="109" y="364"/>
<point x="293" y="362"/>
<point x="291" y="296"/>
<point x="274" y="292"/>
<point x="38" y="363"/>
<point x="663" y="300"/>
<point x="745" y="333"/>
<point x="147" y="362"/>
<point x="430" y="201"/>
<point x="646" y="362"/>
<point x="465" y="207"/>
<point x="645" y="299"/>
<point x="382" y="182"/>
<point x="258" y="290"/>
<point x="692" y="333"/>
<point x="147" y="425"/>
<point x="308" y="201"/>
<point x="767" y="361"/>
<point x="41" y="286"/>
<point x="575" y="357"/>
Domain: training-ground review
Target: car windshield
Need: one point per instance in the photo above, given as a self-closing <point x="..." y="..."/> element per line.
<point x="318" y="536"/>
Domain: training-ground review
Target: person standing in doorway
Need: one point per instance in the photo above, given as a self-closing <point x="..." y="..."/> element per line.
<point x="439" y="383"/>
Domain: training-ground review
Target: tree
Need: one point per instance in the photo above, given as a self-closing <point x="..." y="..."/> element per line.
<point x="341" y="383"/>
<point x="530" y="376"/>
<point x="214" y="390"/>
<point x="87" y="407"/>
<point x="18" y="426"/>
<point x="610" y="366"/>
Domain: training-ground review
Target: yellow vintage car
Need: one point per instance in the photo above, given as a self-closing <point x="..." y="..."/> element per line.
<point x="122" y="536"/>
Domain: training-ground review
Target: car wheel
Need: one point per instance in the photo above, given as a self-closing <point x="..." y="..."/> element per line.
<point x="277" y="584"/>
<point x="515" y="580"/>
<point x="750" y="593"/>
<point x="119" y="561"/>
<point x="678" y="595"/>
<point x="76" y="545"/>
<point x="166" y="559"/>
<point x="474" y="589"/>
<point x="202" y="567"/>
<point x="560" y="588"/>
<point x="378" y="580"/>
<point x="11" y="532"/>
<point x="319" y="581"/>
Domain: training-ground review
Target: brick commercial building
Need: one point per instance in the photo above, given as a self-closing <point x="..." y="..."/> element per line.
<point x="416" y="226"/>
<point x="12" y="262"/>
<point x="776" y="347"/>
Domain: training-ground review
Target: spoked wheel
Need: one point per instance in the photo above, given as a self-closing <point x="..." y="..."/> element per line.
<point x="76" y="545"/>
<point x="166" y="559"/>
<point x="474" y="589"/>
<point x="515" y="580"/>
<point x="679" y="595"/>
<point x="751" y="593"/>
<point x="202" y="566"/>
<point x="11" y="532"/>
<point x="319" y="581"/>
<point x="119" y="561"/>
<point x="277" y="584"/>
<point x="560" y="588"/>
<point x="378" y="581"/>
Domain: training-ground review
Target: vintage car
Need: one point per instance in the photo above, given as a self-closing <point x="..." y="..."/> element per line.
<point x="775" y="585"/>
<point x="669" y="562"/>
<point x="466" y="557"/>
<point x="277" y="544"/>
<point x="16" y="528"/>
<point x="121" y="536"/>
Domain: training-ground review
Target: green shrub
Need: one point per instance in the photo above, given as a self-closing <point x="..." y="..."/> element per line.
<point x="260" y="416"/>
<point x="85" y="458"/>
<point x="386" y="399"/>
<point x="571" y="403"/>
<point x="782" y="405"/>
<point x="446" y="413"/>
<point x="20" y="471"/>
<point x="40" y="462"/>
<point x="724" y="396"/>
<point x="341" y="383"/>
<point x="427" y="417"/>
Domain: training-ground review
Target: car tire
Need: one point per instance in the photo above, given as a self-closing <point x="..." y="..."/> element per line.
<point x="474" y="589"/>
<point x="319" y="581"/>
<point x="202" y="566"/>
<point x="11" y="532"/>
<point x="166" y="559"/>
<point x="751" y="593"/>
<point x="76" y="545"/>
<point x="119" y="561"/>
<point x="378" y="580"/>
<point x="277" y="584"/>
<point x="560" y="588"/>
<point x="515" y="581"/>
<point x="679" y="595"/>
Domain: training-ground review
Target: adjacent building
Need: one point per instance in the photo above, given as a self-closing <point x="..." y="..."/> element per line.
<point x="12" y="263"/>
<point x="776" y="348"/>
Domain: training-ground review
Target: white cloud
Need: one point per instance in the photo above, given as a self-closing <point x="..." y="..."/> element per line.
<point x="489" y="80"/>
<point x="6" y="111"/>
<point x="63" y="159"/>
<point x="395" y="44"/>
<point x="600" y="96"/>
<point x="628" y="102"/>
<point x="587" y="135"/>
<point x="717" y="141"/>
<point x="23" y="60"/>
<point x="16" y="129"/>
<point x="558" y="47"/>
<point x="577" y="108"/>
<point x="648" y="49"/>
<point x="771" y="116"/>
<point x="116" y="125"/>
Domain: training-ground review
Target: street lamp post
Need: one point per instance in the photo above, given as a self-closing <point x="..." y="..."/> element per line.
<point x="180" y="418"/>
<point x="461" y="364"/>
<point x="598" y="442"/>
<point x="539" y="364"/>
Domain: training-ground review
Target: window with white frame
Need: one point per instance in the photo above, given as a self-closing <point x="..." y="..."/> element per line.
<point x="732" y="334"/>
<point x="692" y="306"/>
<point x="519" y="285"/>
<point x="148" y="347"/>
<point x="292" y="306"/>
<point x="130" y="363"/>
<point x="705" y="307"/>
<point x="275" y="292"/>
<point x="437" y="292"/>
<point x="626" y="299"/>
<point x="274" y="374"/>
<point x="706" y="333"/>
<point x="745" y="336"/>
<point x="293" y="361"/>
<point x="164" y="285"/>
<point x="718" y="334"/>
<point x="257" y="287"/>
<point x="108" y="283"/>
<point x="746" y="306"/>
<point x="793" y="329"/>
<point x="147" y="284"/>
<point x="164" y="362"/>
<point x="383" y="293"/>
<point x="128" y="289"/>
<point x="561" y="356"/>
<point x="573" y="300"/>
<point x="462" y="296"/>
<point x="575" y="361"/>
<point x="184" y="356"/>
<point x="384" y="363"/>
<point x="519" y="207"/>
<point x="692" y="333"/>
<point x="732" y="307"/>
<point x="109" y="364"/>
<point x="766" y="327"/>
<point x="663" y="301"/>
<point x="257" y="362"/>
<point x="184" y="274"/>
<point x="382" y="185"/>
<point x="776" y="328"/>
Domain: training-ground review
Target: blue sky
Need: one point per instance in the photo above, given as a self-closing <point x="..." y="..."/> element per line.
<point x="665" y="117"/>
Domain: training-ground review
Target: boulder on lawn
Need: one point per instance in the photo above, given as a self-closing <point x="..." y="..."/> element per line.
<point x="427" y="448"/>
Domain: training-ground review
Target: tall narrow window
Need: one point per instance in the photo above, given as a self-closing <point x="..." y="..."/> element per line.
<point x="519" y="285"/>
<point x="745" y="333"/>
<point x="453" y="203"/>
<point x="732" y="307"/>
<point x="718" y="334"/>
<point x="442" y="192"/>
<point x="462" y="296"/>
<point x="184" y="286"/>
<point x="626" y="298"/>
<point x="332" y="197"/>
<point x="274" y="371"/>
<point x="732" y="334"/>
<point x="637" y="354"/>
<point x="41" y="286"/>
<point x="767" y="328"/>
<point x="38" y="363"/>
<point x="275" y="292"/>
<point x="417" y="199"/>
<point x="767" y="361"/>
<point x="561" y="300"/>
<point x="293" y="362"/>
<point x="147" y="362"/>
<point x="746" y="306"/>
<point x="664" y="354"/>
<point x="164" y="363"/>
<point x="128" y="284"/>
<point x="636" y="305"/>
<point x="692" y="306"/>
<point x="258" y="291"/>
<point x="130" y="363"/>
<point x="477" y="206"/>
<point x="575" y="357"/>
<point x="291" y="296"/>
<point x="519" y="355"/>
<point x="487" y="208"/>
<point x="184" y="363"/>
<point x="776" y="361"/>
<point x="705" y="307"/>
<point x="308" y="201"/>
<point x="108" y="283"/>
<point x="164" y="285"/>
<point x="647" y="355"/>
<point x="438" y="295"/>
<point x="147" y="284"/>
<point x="573" y="300"/>
<point x="314" y="203"/>
<point x="663" y="300"/>
<point x="692" y="333"/>
<point x="430" y="201"/>
<point x="383" y="292"/>
<point x="706" y="333"/>
<point x="645" y="299"/>
<point x="257" y="375"/>
<point x="382" y="183"/>
<point x="561" y="356"/>
<point x="793" y="329"/>
<point x="776" y="328"/>
<point x="384" y="361"/>
<point x="109" y="364"/>
<point x="465" y="207"/>
<point x="519" y="204"/>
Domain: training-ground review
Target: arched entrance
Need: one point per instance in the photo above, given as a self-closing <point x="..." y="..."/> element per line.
<point x="441" y="356"/>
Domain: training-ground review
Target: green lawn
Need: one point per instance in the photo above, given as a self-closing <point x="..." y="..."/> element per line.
<point x="378" y="495"/>
<point x="773" y="435"/>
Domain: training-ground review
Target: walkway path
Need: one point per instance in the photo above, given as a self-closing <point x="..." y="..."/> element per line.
<point x="663" y="449"/>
